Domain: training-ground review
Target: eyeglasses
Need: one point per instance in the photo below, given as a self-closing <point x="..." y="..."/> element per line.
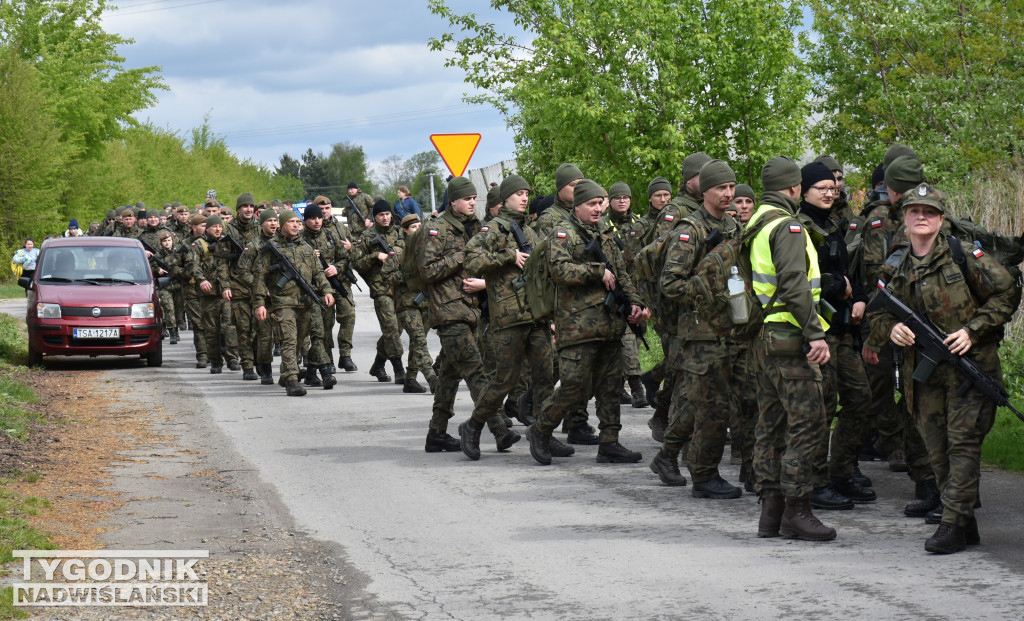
<point x="826" y="189"/>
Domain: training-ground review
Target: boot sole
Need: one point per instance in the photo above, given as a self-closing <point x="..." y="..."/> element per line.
<point x="768" y="534"/>
<point x="504" y="446"/>
<point x="789" y="534"/>
<point x="441" y="449"/>
<point x="330" y="385"/>
<point x="605" y="459"/>
<point x="696" y="493"/>
<point x="939" y="550"/>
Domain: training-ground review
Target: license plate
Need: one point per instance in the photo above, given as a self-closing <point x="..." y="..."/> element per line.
<point x="97" y="333"/>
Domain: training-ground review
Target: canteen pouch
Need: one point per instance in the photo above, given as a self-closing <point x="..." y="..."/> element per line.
<point x="787" y="343"/>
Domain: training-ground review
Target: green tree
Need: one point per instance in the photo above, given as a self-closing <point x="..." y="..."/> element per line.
<point x="943" y="77"/>
<point x="347" y="164"/>
<point x="94" y="94"/>
<point x="627" y="90"/>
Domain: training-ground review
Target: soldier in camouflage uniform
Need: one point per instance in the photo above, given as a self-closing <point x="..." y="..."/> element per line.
<point x="589" y="332"/>
<point x="496" y="255"/>
<point x="689" y="198"/>
<point x="263" y="343"/>
<point x="411" y="305"/>
<point x="236" y="283"/>
<point x="193" y="307"/>
<point x="151" y="234"/>
<point x="202" y="264"/>
<point x="371" y="262"/>
<point x="319" y="357"/>
<point x="969" y="301"/>
<point x="127" y="226"/>
<point x="344" y="304"/>
<point x="706" y="360"/>
<point x="628" y="229"/>
<point x="165" y="252"/>
<point x="791" y="436"/>
<point x="178" y="225"/>
<point x="290" y="308"/>
<point x="364" y="205"/>
<point x="453" y="313"/>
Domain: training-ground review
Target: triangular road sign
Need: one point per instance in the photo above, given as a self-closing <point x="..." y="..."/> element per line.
<point x="456" y="150"/>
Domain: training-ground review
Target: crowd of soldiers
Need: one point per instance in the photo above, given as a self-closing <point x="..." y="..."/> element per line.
<point x="819" y="356"/>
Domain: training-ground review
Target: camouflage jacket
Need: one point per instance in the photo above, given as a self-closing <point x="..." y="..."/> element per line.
<point x="152" y="236"/>
<point x="555" y="214"/>
<point x="247" y="262"/>
<point x="827" y="232"/>
<point x="581" y="315"/>
<point x="492" y="254"/>
<point x="679" y="207"/>
<point x="877" y="238"/>
<point x="181" y="231"/>
<point x="685" y="250"/>
<point x="177" y="264"/>
<point x="629" y="229"/>
<point x="290" y="293"/>
<point x="442" y="254"/>
<point x="121" y="231"/>
<point x="343" y="258"/>
<point x="231" y="277"/>
<point x="327" y="246"/>
<point x="379" y="275"/>
<point x="201" y="264"/>
<point x="365" y="205"/>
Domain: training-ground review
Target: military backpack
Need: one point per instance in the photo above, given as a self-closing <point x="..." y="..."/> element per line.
<point x="538" y="288"/>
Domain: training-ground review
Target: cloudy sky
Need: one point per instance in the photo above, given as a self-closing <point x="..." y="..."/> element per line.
<point x="283" y="76"/>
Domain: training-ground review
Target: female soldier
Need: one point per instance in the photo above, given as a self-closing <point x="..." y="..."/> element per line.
<point x="968" y="296"/>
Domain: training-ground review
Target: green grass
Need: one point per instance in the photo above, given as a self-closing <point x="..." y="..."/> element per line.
<point x="13" y="340"/>
<point x="650" y="358"/>
<point x="9" y="290"/>
<point x="15" y="421"/>
<point x="1003" y="443"/>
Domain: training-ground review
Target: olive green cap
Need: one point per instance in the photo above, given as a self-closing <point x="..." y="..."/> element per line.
<point x="904" y="173"/>
<point x="657" y="184"/>
<point x="493" y="196"/>
<point x="245" y="198"/>
<point x="586" y="190"/>
<point x="743" y="189"/>
<point x="620" y="188"/>
<point x="510" y="185"/>
<point x="287" y="215"/>
<point x="267" y="214"/>
<point x="214" y="219"/>
<point x="566" y="174"/>
<point x="831" y="162"/>
<point x="715" y="172"/>
<point x="276" y="203"/>
<point x="896" y="150"/>
<point x="459" y="187"/>
<point x="693" y="163"/>
<point x="780" y="173"/>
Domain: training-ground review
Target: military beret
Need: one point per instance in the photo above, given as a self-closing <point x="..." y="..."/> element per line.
<point x="814" y="173"/>
<point x="460" y="187"/>
<point x="658" y="184"/>
<point x="586" y="190"/>
<point x="213" y="220"/>
<point x="904" y="173"/>
<point x="267" y="214"/>
<point x="312" y="211"/>
<point x="896" y="150"/>
<point x="829" y="161"/>
<point x="245" y="198"/>
<point x="211" y="202"/>
<point x="410" y="219"/>
<point x="693" y="163"/>
<point x="510" y="185"/>
<point x="715" y="172"/>
<point x="287" y="215"/>
<point x="620" y="188"/>
<point x="197" y="219"/>
<point x="164" y="234"/>
<point x="566" y="174"/>
<point x="780" y="173"/>
<point x="322" y="200"/>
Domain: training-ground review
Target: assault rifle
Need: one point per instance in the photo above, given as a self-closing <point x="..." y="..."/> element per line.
<point x="155" y="259"/>
<point x="352" y="206"/>
<point x="928" y="341"/>
<point x="289" y="272"/>
<point x="617" y="299"/>
<point x="383" y="244"/>
<point x="334" y="281"/>
<point x="237" y="248"/>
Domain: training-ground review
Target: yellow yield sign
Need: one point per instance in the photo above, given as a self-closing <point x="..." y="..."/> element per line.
<point x="456" y="150"/>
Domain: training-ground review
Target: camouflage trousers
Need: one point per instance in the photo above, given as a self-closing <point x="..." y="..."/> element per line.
<point x="630" y="355"/>
<point x="460" y="359"/>
<point x="295" y="323"/>
<point x="672" y="396"/>
<point x="245" y="328"/>
<point x="178" y="293"/>
<point x="327" y="328"/>
<point x="195" y="317"/>
<point x="486" y="340"/>
<point x="896" y="429"/>
<point x="844" y="383"/>
<point x="263" y="344"/>
<point x="791" y="436"/>
<point x="315" y="343"/>
<point x="166" y="298"/>
<point x="218" y="330"/>
<point x="513" y="345"/>
<point x="345" y="313"/>
<point x="389" y="344"/>
<point x="953" y="428"/>
<point x="587" y="369"/>
<point x="413" y="321"/>
<point x="743" y="404"/>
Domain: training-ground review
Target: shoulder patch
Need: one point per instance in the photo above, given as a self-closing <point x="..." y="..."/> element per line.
<point x="484" y="229"/>
<point x="632" y="233"/>
<point x="795" y="228"/>
<point x="684" y="237"/>
<point x="853" y="226"/>
<point x="432" y="232"/>
<point x="669" y="217"/>
<point x="561" y="235"/>
<point x="977" y="253"/>
<point x="876" y="223"/>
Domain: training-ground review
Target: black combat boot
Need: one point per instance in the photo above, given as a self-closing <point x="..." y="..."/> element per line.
<point x="971" y="535"/>
<point x="345" y="362"/>
<point x="216" y="368"/>
<point x="174" y="336"/>
<point x="934" y="516"/>
<point x="637" y="388"/>
<point x="249" y="374"/>
<point x="540" y="445"/>
<point x="165" y="333"/>
<point x="234" y="366"/>
<point x="526" y="406"/>
<point x="294" y="388"/>
<point x="659" y="423"/>
<point x="438" y="441"/>
<point x="377" y="369"/>
<point x="469" y="438"/>
<point x="826" y="498"/>
<point x="328" y="375"/>
<point x="504" y="437"/>
<point x="948" y="539"/>
<point x="716" y="488"/>
<point x="396" y="364"/>
<point x="311" y="379"/>
<point x="615" y="453"/>
<point x="798" y="522"/>
<point x="411" y="385"/>
<point x="201" y="364"/>
<point x="624" y="397"/>
<point x="277" y="350"/>
<point x="667" y="468"/>
<point x="851" y="489"/>
<point x="651" y="385"/>
<point x="772" y="508"/>
<point x="928" y="498"/>
<point x="583" y="434"/>
<point x="266" y="373"/>
<point x="557" y="449"/>
<point x="861" y="478"/>
<point x="514" y="409"/>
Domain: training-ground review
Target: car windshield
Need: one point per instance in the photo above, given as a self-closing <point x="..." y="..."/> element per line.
<point x="99" y="265"/>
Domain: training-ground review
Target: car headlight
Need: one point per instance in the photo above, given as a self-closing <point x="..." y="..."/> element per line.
<point x="143" y="311"/>
<point x="45" y="310"/>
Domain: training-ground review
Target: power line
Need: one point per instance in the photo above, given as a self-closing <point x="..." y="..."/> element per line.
<point x="166" y="8"/>
<point x="133" y="5"/>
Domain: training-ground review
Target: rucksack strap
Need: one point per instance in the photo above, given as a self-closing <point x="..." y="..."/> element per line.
<point x="957" y="250"/>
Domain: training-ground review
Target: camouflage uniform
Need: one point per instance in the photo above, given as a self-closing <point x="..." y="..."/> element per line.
<point x="515" y="334"/>
<point x="628" y="229"/>
<point x="953" y="426"/>
<point x="589" y="334"/>
<point x="329" y="248"/>
<point x="192" y="306"/>
<point x="203" y="265"/>
<point x="453" y="313"/>
<point x="365" y="205"/>
<point x="344" y="305"/>
<point x="706" y="360"/>
<point x="240" y="282"/>
<point x="263" y="344"/>
<point x="412" y="316"/>
<point x="389" y="345"/>
<point x="288" y="307"/>
<point x="166" y="295"/>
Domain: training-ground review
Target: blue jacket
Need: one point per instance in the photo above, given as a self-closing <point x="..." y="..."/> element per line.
<point x="405" y="207"/>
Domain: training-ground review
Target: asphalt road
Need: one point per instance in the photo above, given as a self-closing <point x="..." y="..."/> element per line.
<point x="439" y="536"/>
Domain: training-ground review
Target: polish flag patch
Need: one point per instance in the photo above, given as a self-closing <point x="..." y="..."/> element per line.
<point x="881" y="285"/>
<point x="432" y="232"/>
<point x="795" y="228"/>
<point x="876" y="223"/>
<point x="977" y="253"/>
<point x="669" y="217"/>
<point x="560" y="235"/>
<point x="853" y="226"/>
<point x="484" y="229"/>
<point x="684" y="237"/>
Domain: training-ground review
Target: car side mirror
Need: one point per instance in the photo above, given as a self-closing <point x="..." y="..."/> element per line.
<point x="25" y="282"/>
<point x="163" y="282"/>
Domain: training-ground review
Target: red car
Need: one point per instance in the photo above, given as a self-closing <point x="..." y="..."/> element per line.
<point x="93" y="296"/>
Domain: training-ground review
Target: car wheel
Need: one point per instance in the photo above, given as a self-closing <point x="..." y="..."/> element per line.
<point x="155" y="358"/>
<point x="35" y="359"/>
